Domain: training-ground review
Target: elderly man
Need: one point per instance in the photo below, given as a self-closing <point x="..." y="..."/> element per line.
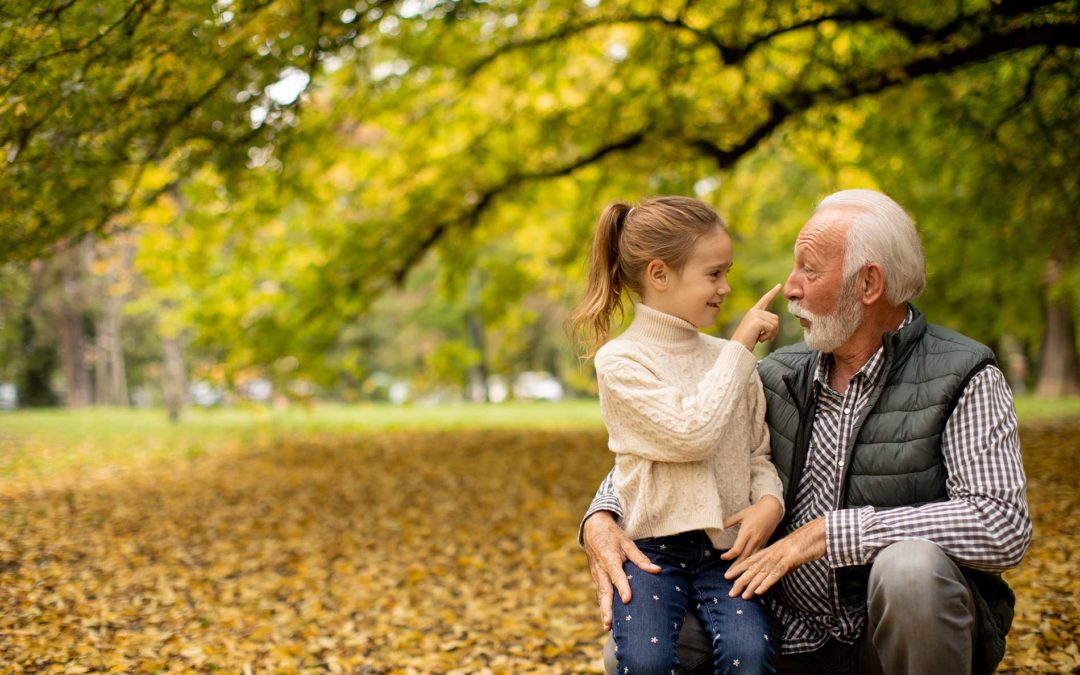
<point x="896" y="441"/>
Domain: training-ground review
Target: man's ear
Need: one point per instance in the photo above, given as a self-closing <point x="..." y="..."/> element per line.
<point x="871" y="283"/>
<point x="657" y="275"/>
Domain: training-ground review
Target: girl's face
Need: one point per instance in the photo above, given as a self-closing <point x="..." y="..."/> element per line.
<point x="696" y="292"/>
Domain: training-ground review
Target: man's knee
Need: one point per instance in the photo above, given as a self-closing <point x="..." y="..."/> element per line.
<point x="917" y="576"/>
<point x="907" y="565"/>
<point x="921" y="612"/>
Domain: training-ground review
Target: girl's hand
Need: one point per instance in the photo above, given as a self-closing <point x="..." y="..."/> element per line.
<point x="757" y="525"/>
<point x="759" y="324"/>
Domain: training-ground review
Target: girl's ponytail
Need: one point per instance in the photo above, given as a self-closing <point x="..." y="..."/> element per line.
<point x="591" y="320"/>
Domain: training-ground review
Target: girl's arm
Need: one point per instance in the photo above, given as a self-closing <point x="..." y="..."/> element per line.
<point x="764" y="480"/>
<point x="757" y="521"/>
<point x="672" y="426"/>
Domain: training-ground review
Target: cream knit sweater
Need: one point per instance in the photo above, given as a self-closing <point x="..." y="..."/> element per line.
<point x="685" y="414"/>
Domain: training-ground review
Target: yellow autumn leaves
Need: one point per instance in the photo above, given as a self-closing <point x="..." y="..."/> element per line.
<point x="403" y="552"/>
<point x="450" y="552"/>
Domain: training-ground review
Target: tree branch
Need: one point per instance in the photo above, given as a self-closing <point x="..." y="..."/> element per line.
<point x="32" y="65"/>
<point x="780" y="109"/>
<point x="472" y="216"/>
<point x="571" y="29"/>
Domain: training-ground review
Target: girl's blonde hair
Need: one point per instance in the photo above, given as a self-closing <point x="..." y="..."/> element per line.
<point x="627" y="239"/>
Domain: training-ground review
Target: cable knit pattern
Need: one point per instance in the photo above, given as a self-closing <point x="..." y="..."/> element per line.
<point x="685" y="414"/>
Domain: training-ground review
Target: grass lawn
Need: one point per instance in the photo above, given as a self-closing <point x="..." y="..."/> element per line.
<point x="49" y="441"/>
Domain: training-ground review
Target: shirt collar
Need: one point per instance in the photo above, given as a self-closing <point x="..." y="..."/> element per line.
<point x="870" y="370"/>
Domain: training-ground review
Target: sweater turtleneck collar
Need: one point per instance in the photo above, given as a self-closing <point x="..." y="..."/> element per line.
<point x="659" y="328"/>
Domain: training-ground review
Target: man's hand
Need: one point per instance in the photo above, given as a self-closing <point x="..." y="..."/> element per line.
<point x="757" y="523"/>
<point x="759" y="572"/>
<point x="607" y="547"/>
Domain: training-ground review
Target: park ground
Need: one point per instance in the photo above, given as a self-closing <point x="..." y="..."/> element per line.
<point x="368" y="539"/>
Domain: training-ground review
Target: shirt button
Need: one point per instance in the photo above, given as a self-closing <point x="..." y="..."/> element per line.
<point x="847" y="411"/>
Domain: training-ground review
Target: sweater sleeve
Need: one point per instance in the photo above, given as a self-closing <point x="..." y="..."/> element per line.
<point x="764" y="480"/>
<point x="675" y="427"/>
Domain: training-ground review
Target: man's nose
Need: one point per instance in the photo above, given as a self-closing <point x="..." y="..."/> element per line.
<point x="792" y="287"/>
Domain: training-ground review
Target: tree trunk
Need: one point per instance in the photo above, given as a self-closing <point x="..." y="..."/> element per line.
<point x="478" y="390"/>
<point x="102" y="395"/>
<point x="109" y="371"/>
<point x="1057" y="362"/>
<point x="173" y="377"/>
<point x="114" y="308"/>
<point x="72" y="343"/>
<point x="1057" y="365"/>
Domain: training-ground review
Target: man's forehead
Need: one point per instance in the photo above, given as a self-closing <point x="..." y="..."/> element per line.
<point x="827" y="227"/>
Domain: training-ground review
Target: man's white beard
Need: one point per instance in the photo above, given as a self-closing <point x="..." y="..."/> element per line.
<point x="826" y="333"/>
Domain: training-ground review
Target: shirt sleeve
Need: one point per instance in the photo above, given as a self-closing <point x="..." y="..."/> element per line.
<point x="605" y="500"/>
<point x="675" y="427"/>
<point x="984" y="523"/>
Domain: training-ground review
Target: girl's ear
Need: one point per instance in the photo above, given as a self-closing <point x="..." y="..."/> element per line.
<point x="657" y="275"/>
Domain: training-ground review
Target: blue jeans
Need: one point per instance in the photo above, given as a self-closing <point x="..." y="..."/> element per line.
<point x="646" y="631"/>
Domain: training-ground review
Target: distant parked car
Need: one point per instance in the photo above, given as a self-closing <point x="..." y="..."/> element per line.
<point x="537" y="386"/>
<point x="204" y="394"/>
<point x="9" y="396"/>
<point x="258" y="389"/>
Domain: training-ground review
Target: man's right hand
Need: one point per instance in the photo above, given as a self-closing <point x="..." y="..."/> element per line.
<point x="607" y="547"/>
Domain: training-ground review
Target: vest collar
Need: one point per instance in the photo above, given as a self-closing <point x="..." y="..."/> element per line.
<point x="900" y="343"/>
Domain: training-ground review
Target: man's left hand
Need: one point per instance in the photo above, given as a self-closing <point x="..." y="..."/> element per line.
<point x="759" y="572"/>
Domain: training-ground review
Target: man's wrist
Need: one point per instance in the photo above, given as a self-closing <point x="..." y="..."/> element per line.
<point x="604" y="514"/>
<point x="843" y="537"/>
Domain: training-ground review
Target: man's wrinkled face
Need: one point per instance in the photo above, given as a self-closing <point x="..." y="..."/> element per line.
<point x="826" y="304"/>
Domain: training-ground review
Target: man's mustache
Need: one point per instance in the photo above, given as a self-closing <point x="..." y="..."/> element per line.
<point x="797" y="310"/>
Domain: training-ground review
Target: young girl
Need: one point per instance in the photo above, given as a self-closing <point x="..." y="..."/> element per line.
<point x="685" y="414"/>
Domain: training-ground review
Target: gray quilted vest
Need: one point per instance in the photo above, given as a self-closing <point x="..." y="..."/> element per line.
<point x="895" y="458"/>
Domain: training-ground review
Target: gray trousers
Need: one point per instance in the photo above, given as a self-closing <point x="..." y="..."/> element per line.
<point x="920" y="621"/>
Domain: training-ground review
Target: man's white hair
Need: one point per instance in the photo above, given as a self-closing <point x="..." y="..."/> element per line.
<point x="884" y="233"/>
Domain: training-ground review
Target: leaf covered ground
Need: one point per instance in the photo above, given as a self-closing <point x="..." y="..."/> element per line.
<point x="403" y="552"/>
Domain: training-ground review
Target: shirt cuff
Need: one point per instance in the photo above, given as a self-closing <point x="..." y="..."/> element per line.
<point x="600" y="503"/>
<point x="844" y="536"/>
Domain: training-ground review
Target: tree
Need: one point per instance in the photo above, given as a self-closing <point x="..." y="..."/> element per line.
<point x="571" y="89"/>
<point x="470" y="134"/>
<point x="97" y="95"/>
<point x="990" y="168"/>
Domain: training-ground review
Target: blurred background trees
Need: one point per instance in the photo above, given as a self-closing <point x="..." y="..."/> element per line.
<point x="341" y="198"/>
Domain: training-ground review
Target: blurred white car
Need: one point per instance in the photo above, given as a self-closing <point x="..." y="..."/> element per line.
<point x="9" y="396"/>
<point x="537" y="386"/>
